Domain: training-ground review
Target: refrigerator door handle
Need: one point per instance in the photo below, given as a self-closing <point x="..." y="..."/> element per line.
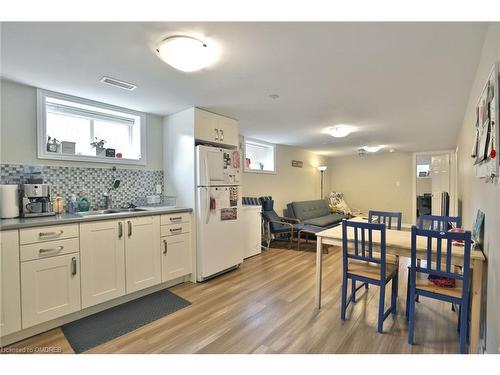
<point x="207" y="206"/>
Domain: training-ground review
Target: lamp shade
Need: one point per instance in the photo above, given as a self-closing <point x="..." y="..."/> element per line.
<point x="322" y="168"/>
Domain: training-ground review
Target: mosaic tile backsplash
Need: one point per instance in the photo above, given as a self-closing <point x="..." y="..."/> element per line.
<point x="65" y="181"/>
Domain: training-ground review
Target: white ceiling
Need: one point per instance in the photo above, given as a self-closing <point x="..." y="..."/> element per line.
<point x="403" y="85"/>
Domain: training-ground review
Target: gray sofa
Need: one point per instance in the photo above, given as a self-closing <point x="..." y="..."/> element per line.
<point x="315" y="213"/>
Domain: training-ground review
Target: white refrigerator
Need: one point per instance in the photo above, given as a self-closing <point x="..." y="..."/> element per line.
<point x="218" y="211"/>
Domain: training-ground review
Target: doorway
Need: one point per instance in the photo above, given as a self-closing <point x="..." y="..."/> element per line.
<point x="434" y="184"/>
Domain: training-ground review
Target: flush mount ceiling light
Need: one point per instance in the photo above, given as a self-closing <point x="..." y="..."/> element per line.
<point x="340" y="131"/>
<point x="371" y="148"/>
<point x="187" y="53"/>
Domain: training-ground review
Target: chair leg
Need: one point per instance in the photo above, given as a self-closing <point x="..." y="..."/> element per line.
<point x="411" y="318"/>
<point x="381" y="306"/>
<point x="408" y="296"/>
<point x="353" y="290"/>
<point x="464" y="311"/>
<point x="344" y="297"/>
<point x="394" y="296"/>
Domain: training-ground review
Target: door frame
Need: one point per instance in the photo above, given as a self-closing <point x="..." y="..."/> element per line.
<point x="453" y="181"/>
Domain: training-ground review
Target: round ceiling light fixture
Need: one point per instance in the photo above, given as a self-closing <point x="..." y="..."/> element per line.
<point x="340" y="131"/>
<point x="371" y="148"/>
<point x="186" y="53"/>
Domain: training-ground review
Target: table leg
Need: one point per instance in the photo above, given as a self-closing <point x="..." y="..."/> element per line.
<point x="319" y="260"/>
<point x="475" y="316"/>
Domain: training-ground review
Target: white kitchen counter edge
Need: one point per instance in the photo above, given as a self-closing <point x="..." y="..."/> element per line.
<point x="19" y="223"/>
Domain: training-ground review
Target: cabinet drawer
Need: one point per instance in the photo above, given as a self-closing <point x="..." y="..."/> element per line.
<point x="54" y="232"/>
<point x="181" y="217"/>
<point x="173" y="229"/>
<point x="49" y="249"/>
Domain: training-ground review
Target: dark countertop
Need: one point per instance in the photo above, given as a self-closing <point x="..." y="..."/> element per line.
<point x="18" y="223"/>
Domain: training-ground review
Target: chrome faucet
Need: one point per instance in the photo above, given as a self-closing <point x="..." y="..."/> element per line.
<point x="107" y="196"/>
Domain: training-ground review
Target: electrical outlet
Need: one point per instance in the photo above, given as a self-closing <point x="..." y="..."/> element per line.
<point x="158" y="189"/>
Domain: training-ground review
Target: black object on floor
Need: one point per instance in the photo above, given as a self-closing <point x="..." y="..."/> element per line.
<point x="96" y="329"/>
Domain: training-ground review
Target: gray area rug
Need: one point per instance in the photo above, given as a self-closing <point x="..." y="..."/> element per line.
<point x="96" y="329"/>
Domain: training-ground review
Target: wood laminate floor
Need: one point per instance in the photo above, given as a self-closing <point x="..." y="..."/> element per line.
<point x="267" y="306"/>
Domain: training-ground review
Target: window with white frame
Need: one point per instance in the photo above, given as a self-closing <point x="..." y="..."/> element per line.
<point x="423" y="170"/>
<point x="260" y="156"/>
<point x="72" y="128"/>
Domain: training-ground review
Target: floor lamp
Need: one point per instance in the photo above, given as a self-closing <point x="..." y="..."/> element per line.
<point x="322" y="169"/>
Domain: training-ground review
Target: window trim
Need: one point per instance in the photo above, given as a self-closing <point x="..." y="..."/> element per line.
<point x="264" y="143"/>
<point x="42" y="130"/>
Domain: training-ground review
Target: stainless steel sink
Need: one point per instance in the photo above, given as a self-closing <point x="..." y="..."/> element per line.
<point x="120" y="210"/>
<point x="110" y="211"/>
<point x="97" y="212"/>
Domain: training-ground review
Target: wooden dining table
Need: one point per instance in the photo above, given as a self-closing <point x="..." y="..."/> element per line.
<point x="398" y="242"/>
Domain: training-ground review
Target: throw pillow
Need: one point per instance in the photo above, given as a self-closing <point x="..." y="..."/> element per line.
<point x="337" y="203"/>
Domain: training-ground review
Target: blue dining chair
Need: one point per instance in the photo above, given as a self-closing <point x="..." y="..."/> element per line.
<point x="385" y="217"/>
<point x="439" y="264"/>
<point x="435" y="222"/>
<point x="362" y="263"/>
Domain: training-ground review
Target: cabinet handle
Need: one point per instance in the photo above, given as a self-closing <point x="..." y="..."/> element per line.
<point x="50" y="234"/>
<point x="221" y="135"/>
<point x="129" y="228"/>
<point x="120" y="229"/>
<point x="216" y="134"/>
<point x="175" y="230"/>
<point x="165" y="249"/>
<point x="57" y="249"/>
<point x="73" y="266"/>
<point x="177" y="218"/>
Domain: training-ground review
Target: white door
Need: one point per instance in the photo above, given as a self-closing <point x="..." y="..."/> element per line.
<point x="102" y="250"/>
<point x="209" y="166"/>
<point x="50" y="288"/>
<point x="440" y="173"/>
<point x="219" y="241"/>
<point x="176" y="256"/>
<point x="228" y="131"/>
<point x="10" y="283"/>
<point x="206" y="127"/>
<point x="142" y="252"/>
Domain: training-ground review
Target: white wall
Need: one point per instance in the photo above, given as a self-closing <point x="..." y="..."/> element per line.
<point x="424" y="185"/>
<point x="475" y="194"/>
<point x="381" y="181"/>
<point x="289" y="183"/>
<point x="18" y="131"/>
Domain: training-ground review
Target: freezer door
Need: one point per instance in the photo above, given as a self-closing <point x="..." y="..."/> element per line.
<point x="209" y="166"/>
<point x="219" y="230"/>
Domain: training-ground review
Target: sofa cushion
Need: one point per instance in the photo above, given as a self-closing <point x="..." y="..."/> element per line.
<point x="325" y="221"/>
<point x="310" y="209"/>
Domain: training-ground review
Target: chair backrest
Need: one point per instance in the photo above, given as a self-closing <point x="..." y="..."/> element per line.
<point x="361" y="247"/>
<point x="385" y="217"/>
<point x="269" y="214"/>
<point x="439" y="254"/>
<point x="440" y="223"/>
<point x="250" y="201"/>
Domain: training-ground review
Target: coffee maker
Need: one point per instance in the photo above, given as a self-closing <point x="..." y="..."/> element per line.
<point x="35" y="200"/>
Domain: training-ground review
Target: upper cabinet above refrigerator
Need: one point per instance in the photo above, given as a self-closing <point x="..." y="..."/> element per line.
<point x="215" y="129"/>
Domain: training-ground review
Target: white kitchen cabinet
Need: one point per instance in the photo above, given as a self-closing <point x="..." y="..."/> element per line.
<point x="252" y="224"/>
<point x="215" y="128"/>
<point x="50" y="288"/>
<point x="10" y="283"/>
<point x="102" y="252"/>
<point x="142" y="252"/>
<point x="176" y="256"/>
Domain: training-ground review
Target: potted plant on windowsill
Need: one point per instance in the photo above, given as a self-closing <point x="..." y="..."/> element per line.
<point x="99" y="147"/>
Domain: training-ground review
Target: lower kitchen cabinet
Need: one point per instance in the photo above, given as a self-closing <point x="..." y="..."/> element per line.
<point x="142" y="252"/>
<point x="176" y="256"/>
<point x="102" y="251"/>
<point x="10" y="283"/>
<point x="50" y="288"/>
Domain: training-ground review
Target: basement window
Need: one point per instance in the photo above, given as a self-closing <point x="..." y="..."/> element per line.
<point x="71" y="128"/>
<point x="260" y="156"/>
